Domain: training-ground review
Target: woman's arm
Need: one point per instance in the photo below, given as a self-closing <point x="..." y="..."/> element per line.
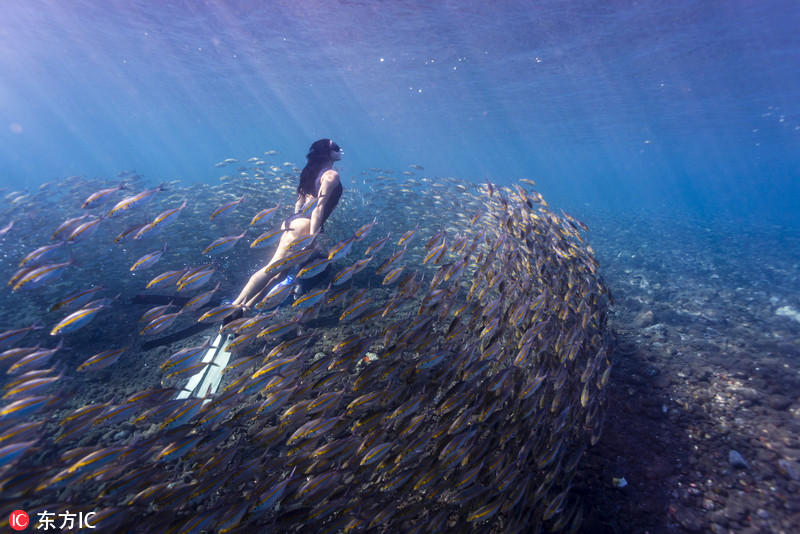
<point x="328" y="183"/>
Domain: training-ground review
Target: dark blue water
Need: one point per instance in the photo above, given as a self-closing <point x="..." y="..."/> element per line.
<point x="665" y="105"/>
<point x="672" y="128"/>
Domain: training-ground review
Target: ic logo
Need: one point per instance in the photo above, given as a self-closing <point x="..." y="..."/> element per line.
<point x="18" y="520"/>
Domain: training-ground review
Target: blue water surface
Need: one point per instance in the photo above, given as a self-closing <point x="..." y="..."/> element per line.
<point x="662" y="105"/>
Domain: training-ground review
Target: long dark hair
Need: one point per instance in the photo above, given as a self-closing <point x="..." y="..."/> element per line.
<point x="318" y="157"/>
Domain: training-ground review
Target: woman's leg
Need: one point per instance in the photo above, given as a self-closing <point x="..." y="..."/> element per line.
<point x="260" y="280"/>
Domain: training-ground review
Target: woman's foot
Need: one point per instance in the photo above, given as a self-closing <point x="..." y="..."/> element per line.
<point x="238" y="314"/>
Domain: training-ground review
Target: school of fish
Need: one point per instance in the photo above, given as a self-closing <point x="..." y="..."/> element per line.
<point x="448" y="374"/>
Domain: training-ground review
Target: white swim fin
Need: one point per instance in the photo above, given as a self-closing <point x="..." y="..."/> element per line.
<point x="206" y="381"/>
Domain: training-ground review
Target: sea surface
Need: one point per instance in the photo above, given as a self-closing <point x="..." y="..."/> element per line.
<point x="635" y="162"/>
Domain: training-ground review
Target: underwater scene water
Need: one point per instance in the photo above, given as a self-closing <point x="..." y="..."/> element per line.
<point x="560" y="291"/>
